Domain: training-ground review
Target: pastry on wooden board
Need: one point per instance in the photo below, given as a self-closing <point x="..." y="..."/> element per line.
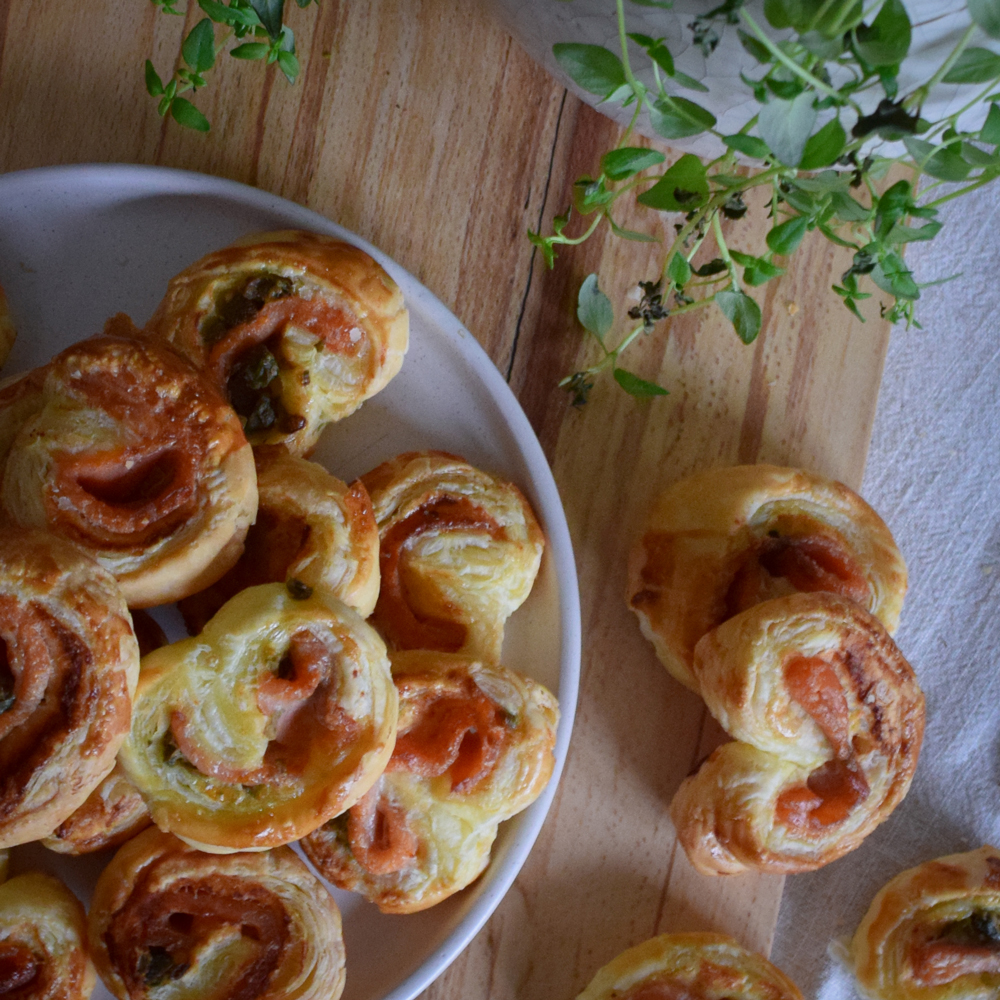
<point x="827" y="719"/>
<point x="295" y="328"/>
<point x="725" y="539"/>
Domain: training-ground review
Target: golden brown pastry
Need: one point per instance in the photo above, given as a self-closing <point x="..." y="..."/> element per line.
<point x="7" y="331"/>
<point x="68" y="668"/>
<point x="460" y="550"/>
<point x="827" y="720"/>
<point x="297" y="329"/>
<point x="725" y="539"/>
<point x="310" y="527"/>
<point x="933" y="933"/>
<point x="168" y="922"/>
<point x="692" y="966"/>
<point x="134" y="456"/>
<point x="43" y="941"/>
<point x="279" y="716"/>
<point x="475" y="747"/>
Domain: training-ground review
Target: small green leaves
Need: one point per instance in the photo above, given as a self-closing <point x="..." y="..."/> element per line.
<point x="682" y="188"/>
<point x="198" y="49"/>
<point x="251" y="50"/>
<point x="748" y="145"/>
<point x="185" y="113"/>
<point x="636" y="386"/>
<point x="974" y="65"/>
<point x="677" y="117"/>
<point x="786" y="126"/>
<point x="592" y="67"/>
<point x="942" y="162"/>
<point x="825" y="147"/>
<point x="154" y="85"/>
<point x="893" y="276"/>
<point x="990" y="132"/>
<point x="986" y="13"/>
<point x="785" y="238"/>
<point x="619" y="164"/>
<point x="742" y="311"/>
<point x="594" y="309"/>
<point x="756" y="270"/>
<point x="270" y="14"/>
<point x="679" y="271"/>
<point x="886" y="40"/>
<point x="656" y="51"/>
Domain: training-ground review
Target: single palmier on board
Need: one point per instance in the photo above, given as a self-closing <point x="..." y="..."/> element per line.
<point x="725" y="539"/>
<point x="691" y="966"/>
<point x="7" y="331"/>
<point x="134" y="456"/>
<point x="279" y="716"/>
<point x="460" y="550"/>
<point x="68" y="667"/>
<point x="168" y="922"/>
<point x="475" y="747"/>
<point x="933" y="933"/>
<point x="43" y="941"/>
<point x="827" y="719"/>
<point x="310" y="527"/>
<point x="297" y="329"/>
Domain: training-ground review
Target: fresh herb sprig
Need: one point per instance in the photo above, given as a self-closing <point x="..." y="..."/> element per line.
<point x="827" y="92"/>
<point x="261" y="20"/>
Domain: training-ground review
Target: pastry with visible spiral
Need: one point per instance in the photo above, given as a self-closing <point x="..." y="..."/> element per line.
<point x="168" y="921"/>
<point x="297" y="329"/>
<point x="460" y="550"/>
<point x="279" y="716"/>
<point x="827" y="719"/>
<point x="933" y="933"/>
<point x="68" y="667"/>
<point x="725" y="539"/>
<point x="475" y="747"/>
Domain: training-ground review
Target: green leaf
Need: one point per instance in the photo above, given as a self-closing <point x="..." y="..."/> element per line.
<point x="814" y="15"/>
<point x="823" y="182"/>
<point x="748" y="145"/>
<point x="592" y="67"/>
<point x="636" y="386"/>
<point x="941" y="162"/>
<point x="756" y="270"/>
<point x="251" y="50"/>
<point x="594" y="309"/>
<point x="621" y="163"/>
<point x="742" y="311"/>
<point x="243" y="17"/>
<point x="887" y="40"/>
<point x="689" y="82"/>
<point x="715" y="266"/>
<point x="986" y="13"/>
<point x="824" y="148"/>
<point x="186" y="114"/>
<point x="892" y="275"/>
<point x="631" y="234"/>
<point x="679" y="270"/>
<point x="270" y="13"/>
<point x="545" y="244"/>
<point x="990" y="132"/>
<point x="834" y="238"/>
<point x="656" y="51"/>
<point x="821" y="45"/>
<point x="682" y="188"/>
<point x="909" y="234"/>
<point x="974" y="65"/>
<point x="589" y="195"/>
<point x="786" y="236"/>
<point x="786" y="126"/>
<point x="288" y="63"/>
<point x="677" y="117"/>
<point x="971" y="153"/>
<point x="847" y="209"/>
<point x="754" y="46"/>
<point x="199" y="46"/>
<point x="663" y="4"/>
<point x="154" y="85"/>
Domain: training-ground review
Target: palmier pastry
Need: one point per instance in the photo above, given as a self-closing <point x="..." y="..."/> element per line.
<point x="934" y="932"/>
<point x="297" y="330"/>
<point x="134" y="456"/>
<point x="43" y="941"/>
<point x="279" y="716"/>
<point x="827" y="720"/>
<point x="460" y="552"/>
<point x="68" y="668"/>
<point x="310" y="527"/>
<point x="168" y="921"/>
<point x="723" y="540"/>
<point x="474" y="747"/>
<point x="692" y="966"/>
<point x="7" y="331"/>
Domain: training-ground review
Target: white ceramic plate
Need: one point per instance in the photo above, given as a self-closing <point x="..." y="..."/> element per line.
<point x="78" y="244"/>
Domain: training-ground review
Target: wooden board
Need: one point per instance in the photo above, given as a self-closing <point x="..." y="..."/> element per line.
<point x="421" y="126"/>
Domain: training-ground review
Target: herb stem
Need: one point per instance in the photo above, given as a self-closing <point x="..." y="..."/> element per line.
<point x="724" y="251"/>
<point x="917" y="98"/>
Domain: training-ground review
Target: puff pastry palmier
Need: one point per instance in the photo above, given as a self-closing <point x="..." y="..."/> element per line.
<point x="934" y="932"/>
<point x="43" y="941"/>
<point x="68" y="668"/>
<point x="279" y="716"/>
<point x="827" y="719"/>
<point x="460" y="550"/>
<point x="310" y="527"/>
<point x="7" y="331"/>
<point x="725" y="539"/>
<point x="297" y="329"/>
<point x="475" y="747"/>
<point x="134" y="456"/>
<point x="692" y="966"/>
<point x="169" y="922"/>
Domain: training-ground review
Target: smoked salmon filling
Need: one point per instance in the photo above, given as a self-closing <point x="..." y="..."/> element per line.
<point x="474" y="747"/>
<point x="126" y="450"/>
<point x="279" y="716"/>
<point x="168" y="921"/>
<point x="310" y="527"/>
<point x="934" y="932"/>
<point x="726" y="539"/>
<point x="295" y="328"/>
<point x="68" y="668"/>
<point x="460" y="550"/>
<point x="827" y="720"/>
<point x="43" y="941"/>
<point x="693" y="966"/>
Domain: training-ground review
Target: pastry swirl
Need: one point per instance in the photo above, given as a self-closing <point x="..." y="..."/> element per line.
<point x="475" y="747"/>
<point x="68" y="668"/>
<point x="725" y="539"/>
<point x="279" y="716"/>
<point x="135" y="457"/>
<point x="168" y="921"/>
<point x="827" y="719"/>
<point x="933" y="932"/>
<point x="297" y="329"/>
<point x="460" y="550"/>
<point x="43" y="941"/>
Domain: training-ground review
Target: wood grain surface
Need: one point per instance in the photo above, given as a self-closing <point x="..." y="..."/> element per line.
<point x="421" y="126"/>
